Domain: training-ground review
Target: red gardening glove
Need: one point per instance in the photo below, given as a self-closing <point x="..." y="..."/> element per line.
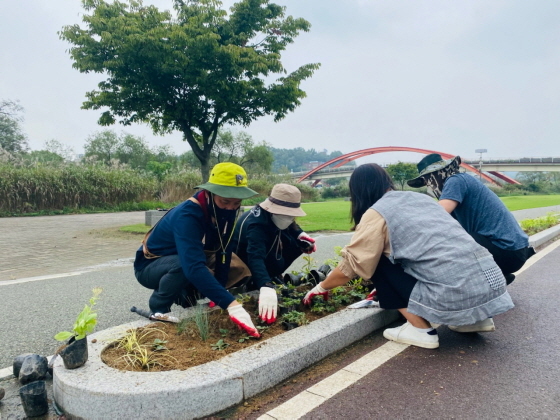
<point x="307" y="244"/>
<point x="243" y="320"/>
<point x="372" y="295"/>
<point x="316" y="291"/>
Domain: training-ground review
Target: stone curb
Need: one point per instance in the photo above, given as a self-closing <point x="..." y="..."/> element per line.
<point x="97" y="391"/>
<point x="543" y="237"/>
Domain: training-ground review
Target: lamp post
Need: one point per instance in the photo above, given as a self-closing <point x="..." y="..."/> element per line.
<point x="480" y="151"/>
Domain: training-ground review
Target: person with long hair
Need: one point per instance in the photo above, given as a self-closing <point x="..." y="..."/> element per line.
<point x="420" y="260"/>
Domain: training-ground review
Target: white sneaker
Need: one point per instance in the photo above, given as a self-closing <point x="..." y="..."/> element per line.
<point x="486" y="325"/>
<point x="407" y="334"/>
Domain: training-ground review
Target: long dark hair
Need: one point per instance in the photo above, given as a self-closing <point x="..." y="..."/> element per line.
<point x="367" y="184"/>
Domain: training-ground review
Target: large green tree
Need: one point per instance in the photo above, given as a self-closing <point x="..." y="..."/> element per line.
<point x="12" y="138"/>
<point x="102" y="146"/>
<point x="402" y="172"/>
<point x="240" y="148"/>
<point x="192" y="71"/>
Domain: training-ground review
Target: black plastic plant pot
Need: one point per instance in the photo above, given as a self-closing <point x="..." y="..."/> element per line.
<point x="286" y="292"/>
<point x="289" y="325"/>
<point x="34" y="399"/>
<point x="284" y="310"/>
<point x="75" y="354"/>
<point x="325" y="269"/>
<point x="292" y="279"/>
<point x="316" y="276"/>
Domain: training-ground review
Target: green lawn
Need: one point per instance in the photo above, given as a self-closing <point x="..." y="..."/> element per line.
<point x="335" y="215"/>
<point x="522" y="202"/>
<point x="328" y="215"/>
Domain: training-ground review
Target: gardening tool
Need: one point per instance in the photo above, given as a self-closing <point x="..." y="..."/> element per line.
<point x="156" y="316"/>
<point x="369" y="302"/>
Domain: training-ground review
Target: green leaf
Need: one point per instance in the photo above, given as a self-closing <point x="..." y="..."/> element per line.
<point x="63" y="336"/>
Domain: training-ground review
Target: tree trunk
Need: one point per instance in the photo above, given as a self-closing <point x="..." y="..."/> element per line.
<point x="205" y="170"/>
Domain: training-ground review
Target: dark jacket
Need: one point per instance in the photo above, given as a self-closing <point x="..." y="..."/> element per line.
<point x="181" y="232"/>
<point x="256" y="242"/>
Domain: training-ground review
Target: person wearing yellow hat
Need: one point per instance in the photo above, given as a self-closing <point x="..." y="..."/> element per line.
<point x="188" y="253"/>
<point x="268" y="240"/>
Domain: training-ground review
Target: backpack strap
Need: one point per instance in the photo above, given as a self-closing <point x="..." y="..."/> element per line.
<point x="147" y="254"/>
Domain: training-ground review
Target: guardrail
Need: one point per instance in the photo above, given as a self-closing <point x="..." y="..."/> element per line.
<point x="513" y="161"/>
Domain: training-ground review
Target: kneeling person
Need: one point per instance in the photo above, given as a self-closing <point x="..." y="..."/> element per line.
<point x="268" y="240"/>
<point x="189" y="251"/>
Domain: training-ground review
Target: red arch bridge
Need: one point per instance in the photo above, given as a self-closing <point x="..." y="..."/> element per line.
<point x="335" y="167"/>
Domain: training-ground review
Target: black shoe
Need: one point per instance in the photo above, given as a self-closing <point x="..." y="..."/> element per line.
<point x="509" y="278"/>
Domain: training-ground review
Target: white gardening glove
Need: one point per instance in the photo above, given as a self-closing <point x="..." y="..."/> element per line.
<point x="307" y="244"/>
<point x="268" y="304"/>
<point x="316" y="291"/>
<point x="243" y="320"/>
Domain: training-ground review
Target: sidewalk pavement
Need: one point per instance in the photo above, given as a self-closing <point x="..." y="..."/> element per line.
<point x="39" y="246"/>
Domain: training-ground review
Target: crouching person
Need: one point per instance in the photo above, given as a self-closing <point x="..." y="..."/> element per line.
<point x="268" y="240"/>
<point x="188" y="253"/>
<point x="420" y="259"/>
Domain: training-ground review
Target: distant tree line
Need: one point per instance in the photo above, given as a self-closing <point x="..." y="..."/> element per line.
<point x="295" y="160"/>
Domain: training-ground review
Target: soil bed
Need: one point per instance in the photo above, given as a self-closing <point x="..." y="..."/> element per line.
<point x="183" y="346"/>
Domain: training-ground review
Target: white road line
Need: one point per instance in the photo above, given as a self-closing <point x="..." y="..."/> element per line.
<point x="39" y="278"/>
<point x="121" y="262"/>
<point x="537" y="257"/>
<point x="317" y="394"/>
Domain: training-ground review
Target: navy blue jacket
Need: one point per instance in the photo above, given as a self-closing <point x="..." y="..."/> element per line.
<point x="256" y="243"/>
<point x="181" y="232"/>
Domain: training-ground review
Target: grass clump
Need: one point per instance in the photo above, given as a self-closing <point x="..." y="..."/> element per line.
<point x="532" y="226"/>
<point x="198" y="323"/>
<point x="142" y="349"/>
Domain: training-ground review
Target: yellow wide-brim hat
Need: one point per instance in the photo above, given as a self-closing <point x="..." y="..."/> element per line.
<point x="228" y="180"/>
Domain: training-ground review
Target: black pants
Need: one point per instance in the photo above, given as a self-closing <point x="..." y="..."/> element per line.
<point x="393" y="285"/>
<point x="508" y="261"/>
<point x="166" y="278"/>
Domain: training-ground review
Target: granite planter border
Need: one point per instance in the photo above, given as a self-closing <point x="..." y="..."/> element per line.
<point x="97" y="391"/>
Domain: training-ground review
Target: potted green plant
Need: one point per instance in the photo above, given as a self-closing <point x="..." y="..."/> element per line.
<point x="293" y="320"/>
<point x="75" y="353"/>
<point x="289" y="305"/>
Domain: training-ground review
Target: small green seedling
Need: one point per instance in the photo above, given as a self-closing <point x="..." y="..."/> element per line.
<point x="220" y="345"/>
<point x="309" y="264"/>
<point x="85" y="323"/>
<point x="244" y="338"/>
<point x="295" y="317"/>
<point x="159" y="344"/>
<point x="223" y="332"/>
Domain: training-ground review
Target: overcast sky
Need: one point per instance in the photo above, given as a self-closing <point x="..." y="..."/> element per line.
<point x="451" y="76"/>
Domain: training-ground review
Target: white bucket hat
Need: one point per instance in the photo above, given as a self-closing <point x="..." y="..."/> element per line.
<point x="284" y="199"/>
